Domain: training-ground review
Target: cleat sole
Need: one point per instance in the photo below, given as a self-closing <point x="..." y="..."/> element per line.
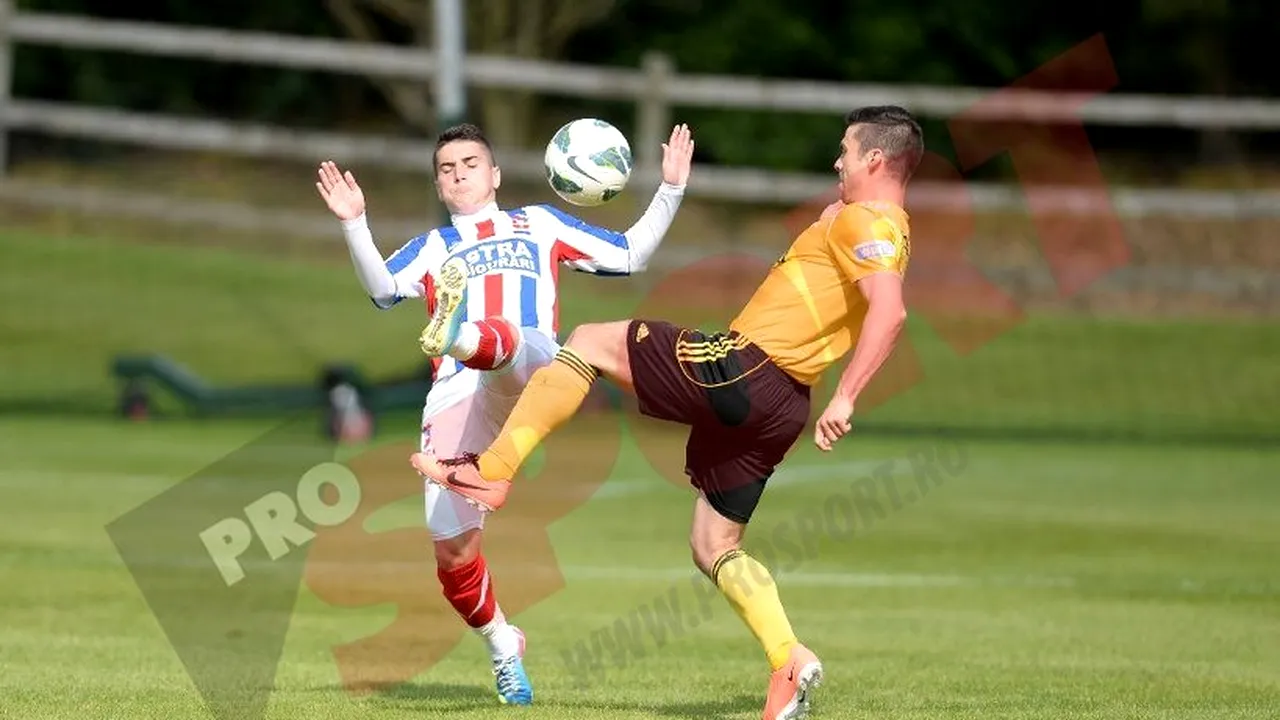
<point x="450" y="294"/>
<point x="476" y="504"/>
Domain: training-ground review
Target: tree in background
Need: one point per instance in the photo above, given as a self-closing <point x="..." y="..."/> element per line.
<point x="534" y="29"/>
<point x="1202" y="47"/>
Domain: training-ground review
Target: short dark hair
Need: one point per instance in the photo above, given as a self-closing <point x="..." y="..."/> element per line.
<point x="458" y="133"/>
<point x="893" y="131"/>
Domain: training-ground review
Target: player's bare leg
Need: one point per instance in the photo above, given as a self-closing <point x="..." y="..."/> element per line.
<point x="749" y="588"/>
<point x="551" y="398"/>
<point x="467" y="585"/>
<point x="456" y="530"/>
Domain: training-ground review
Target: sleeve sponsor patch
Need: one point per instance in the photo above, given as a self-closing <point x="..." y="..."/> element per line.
<point x="874" y="249"/>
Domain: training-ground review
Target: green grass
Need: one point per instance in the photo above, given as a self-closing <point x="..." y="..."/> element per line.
<point x="1099" y="376"/>
<point x="1044" y="580"/>
<point x="1031" y="582"/>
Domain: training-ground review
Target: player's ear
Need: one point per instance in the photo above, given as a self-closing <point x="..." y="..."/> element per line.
<point x="497" y="177"/>
<point x="875" y="159"/>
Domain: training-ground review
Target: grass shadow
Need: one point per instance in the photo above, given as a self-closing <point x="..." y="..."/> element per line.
<point x="447" y="698"/>
<point x="443" y="697"/>
<point x="688" y="710"/>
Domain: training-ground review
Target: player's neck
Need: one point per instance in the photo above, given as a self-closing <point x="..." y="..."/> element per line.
<point x="883" y="196"/>
<point x="488" y="209"/>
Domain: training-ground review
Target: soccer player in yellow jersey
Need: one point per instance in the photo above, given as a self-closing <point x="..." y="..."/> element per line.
<point x="744" y="393"/>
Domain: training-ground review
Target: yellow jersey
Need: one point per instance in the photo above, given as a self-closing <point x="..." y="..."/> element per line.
<point x="808" y="311"/>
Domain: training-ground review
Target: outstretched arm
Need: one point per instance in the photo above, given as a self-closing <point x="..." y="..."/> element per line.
<point x="646" y="234"/>
<point x="886" y="315"/>
<point x="346" y="200"/>
<point x="644" y="237"/>
<point x="377" y="280"/>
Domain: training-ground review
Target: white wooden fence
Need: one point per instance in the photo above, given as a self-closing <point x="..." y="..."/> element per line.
<point x="655" y="89"/>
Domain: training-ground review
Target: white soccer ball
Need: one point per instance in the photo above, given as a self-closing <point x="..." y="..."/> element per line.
<point x="588" y="162"/>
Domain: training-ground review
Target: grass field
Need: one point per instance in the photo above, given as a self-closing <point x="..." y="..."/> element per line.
<point x="1059" y="579"/>
<point x="1035" y="581"/>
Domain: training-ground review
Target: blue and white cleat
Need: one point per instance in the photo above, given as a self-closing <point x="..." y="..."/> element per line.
<point x="450" y="309"/>
<point x="514" y="687"/>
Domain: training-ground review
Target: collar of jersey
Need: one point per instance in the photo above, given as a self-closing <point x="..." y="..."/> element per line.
<point x="487" y="210"/>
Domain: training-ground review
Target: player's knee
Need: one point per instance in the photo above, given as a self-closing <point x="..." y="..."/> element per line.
<point x="707" y="549"/>
<point x="601" y="345"/>
<point x="456" y="552"/>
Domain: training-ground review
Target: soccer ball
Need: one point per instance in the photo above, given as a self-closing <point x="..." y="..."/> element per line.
<point x="588" y="162"/>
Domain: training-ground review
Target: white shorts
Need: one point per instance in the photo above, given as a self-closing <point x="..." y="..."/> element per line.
<point x="464" y="412"/>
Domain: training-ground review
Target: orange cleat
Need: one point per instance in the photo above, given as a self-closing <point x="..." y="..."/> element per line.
<point x="462" y="476"/>
<point x="790" y="686"/>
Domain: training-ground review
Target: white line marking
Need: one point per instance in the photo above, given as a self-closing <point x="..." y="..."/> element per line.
<point x="807" y="578"/>
<point x="836" y="579"/>
<point x="686" y="576"/>
<point x="631" y="486"/>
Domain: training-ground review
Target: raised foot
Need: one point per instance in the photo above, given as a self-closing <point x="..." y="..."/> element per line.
<point x="461" y="475"/>
<point x="450" y="301"/>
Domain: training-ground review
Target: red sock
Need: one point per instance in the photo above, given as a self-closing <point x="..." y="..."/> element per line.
<point x="469" y="590"/>
<point x="498" y="341"/>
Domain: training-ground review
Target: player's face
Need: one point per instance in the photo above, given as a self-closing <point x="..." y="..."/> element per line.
<point x="466" y="178"/>
<point x="853" y="167"/>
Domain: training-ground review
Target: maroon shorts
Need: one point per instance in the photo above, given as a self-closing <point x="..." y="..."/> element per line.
<point x="743" y="412"/>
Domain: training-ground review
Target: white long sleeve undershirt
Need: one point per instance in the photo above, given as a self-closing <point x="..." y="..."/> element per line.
<point x="644" y="237"/>
<point x="370" y="266"/>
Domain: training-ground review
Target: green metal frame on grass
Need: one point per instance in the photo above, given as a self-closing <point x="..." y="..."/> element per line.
<point x="140" y="373"/>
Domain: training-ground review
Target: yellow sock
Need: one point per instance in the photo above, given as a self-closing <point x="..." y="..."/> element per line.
<point x="553" y="395"/>
<point x="754" y="596"/>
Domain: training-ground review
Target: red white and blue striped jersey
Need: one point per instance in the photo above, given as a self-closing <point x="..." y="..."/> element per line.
<point x="514" y="257"/>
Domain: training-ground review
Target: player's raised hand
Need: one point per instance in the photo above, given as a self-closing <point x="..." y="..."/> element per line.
<point x="833" y="424"/>
<point x="677" y="156"/>
<point x="340" y="191"/>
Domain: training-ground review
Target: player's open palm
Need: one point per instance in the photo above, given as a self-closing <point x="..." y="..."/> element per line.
<point x="340" y="191"/>
<point x="677" y="156"/>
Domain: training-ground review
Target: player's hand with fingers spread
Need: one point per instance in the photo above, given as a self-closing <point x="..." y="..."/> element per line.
<point x="677" y="156"/>
<point x="833" y="424"/>
<point x="340" y="191"/>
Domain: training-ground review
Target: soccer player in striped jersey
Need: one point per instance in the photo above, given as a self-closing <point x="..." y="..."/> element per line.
<point x="489" y="283"/>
